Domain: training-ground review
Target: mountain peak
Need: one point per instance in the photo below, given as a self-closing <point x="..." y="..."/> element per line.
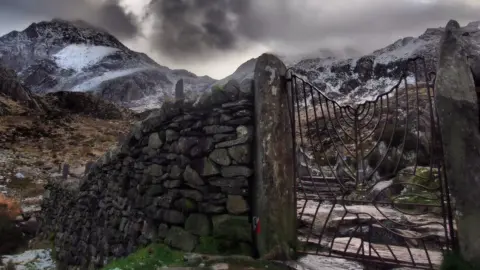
<point x="60" y="55"/>
<point x="59" y="32"/>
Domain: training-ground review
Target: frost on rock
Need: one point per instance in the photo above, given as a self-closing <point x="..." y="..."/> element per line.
<point x="39" y="259"/>
<point x="402" y="50"/>
<point x="80" y="56"/>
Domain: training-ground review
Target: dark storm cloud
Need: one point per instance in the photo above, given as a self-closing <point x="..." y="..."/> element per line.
<point x="195" y="27"/>
<point x="199" y="30"/>
<point x="106" y="14"/>
<point x="202" y="28"/>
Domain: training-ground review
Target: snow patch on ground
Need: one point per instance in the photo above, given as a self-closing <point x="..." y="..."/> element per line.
<point x="96" y="81"/>
<point x="150" y="102"/>
<point x="310" y="262"/>
<point x="80" y="56"/>
<point x="39" y="259"/>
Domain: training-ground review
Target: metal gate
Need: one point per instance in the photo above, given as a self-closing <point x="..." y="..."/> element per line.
<point x="370" y="177"/>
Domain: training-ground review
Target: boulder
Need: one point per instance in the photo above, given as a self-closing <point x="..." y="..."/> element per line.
<point x="181" y="239"/>
<point x="235" y="228"/>
<point x="198" y="224"/>
<point x="236" y="204"/>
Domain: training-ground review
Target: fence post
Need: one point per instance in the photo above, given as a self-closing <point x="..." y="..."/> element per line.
<point x="457" y="109"/>
<point x="65" y="171"/>
<point x="179" y="91"/>
<point x="274" y="203"/>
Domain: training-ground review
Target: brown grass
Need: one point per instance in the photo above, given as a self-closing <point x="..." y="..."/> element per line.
<point x="77" y="141"/>
<point x="9" y="207"/>
<point x="11" y="106"/>
<point x="37" y="146"/>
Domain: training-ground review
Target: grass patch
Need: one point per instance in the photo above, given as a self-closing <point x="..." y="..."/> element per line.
<point x="218" y="246"/>
<point x="150" y="257"/>
<point x="208" y="245"/>
<point x="156" y="256"/>
<point x="423" y="189"/>
<point x="455" y="261"/>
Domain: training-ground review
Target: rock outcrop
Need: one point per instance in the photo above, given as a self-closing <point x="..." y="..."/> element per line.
<point x="87" y="104"/>
<point x="11" y="88"/>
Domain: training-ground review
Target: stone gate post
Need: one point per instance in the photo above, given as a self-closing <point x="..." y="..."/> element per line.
<point x="274" y="203"/>
<point x="457" y="108"/>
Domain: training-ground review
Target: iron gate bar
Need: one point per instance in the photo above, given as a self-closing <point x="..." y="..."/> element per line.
<point x="337" y="123"/>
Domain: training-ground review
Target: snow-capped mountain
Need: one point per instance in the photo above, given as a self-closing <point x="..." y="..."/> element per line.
<point x="74" y="56"/>
<point x="364" y="78"/>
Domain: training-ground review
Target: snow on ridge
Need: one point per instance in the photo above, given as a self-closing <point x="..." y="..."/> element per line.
<point x="374" y="88"/>
<point x="96" y="81"/>
<point x="403" y="52"/>
<point x="80" y="56"/>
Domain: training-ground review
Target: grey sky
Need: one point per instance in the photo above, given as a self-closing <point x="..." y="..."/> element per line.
<point x="213" y="37"/>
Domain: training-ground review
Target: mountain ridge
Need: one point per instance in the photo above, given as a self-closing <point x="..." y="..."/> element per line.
<point x="61" y="55"/>
<point x="359" y="79"/>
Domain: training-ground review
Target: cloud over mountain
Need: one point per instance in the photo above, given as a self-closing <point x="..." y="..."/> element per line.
<point x="202" y="31"/>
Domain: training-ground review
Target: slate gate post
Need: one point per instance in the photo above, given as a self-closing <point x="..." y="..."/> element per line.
<point x="274" y="201"/>
<point x="457" y="109"/>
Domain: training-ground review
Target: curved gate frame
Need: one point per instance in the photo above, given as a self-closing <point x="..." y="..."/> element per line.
<point x="354" y="134"/>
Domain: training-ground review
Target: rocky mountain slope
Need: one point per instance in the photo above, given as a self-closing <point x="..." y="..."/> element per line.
<point x="39" y="133"/>
<point x="74" y="56"/>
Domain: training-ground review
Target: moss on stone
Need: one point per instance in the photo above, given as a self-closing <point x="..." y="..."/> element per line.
<point x="51" y="237"/>
<point x="422" y="188"/>
<point x="217" y="88"/>
<point x="423" y="178"/>
<point x="235" y="228"/>
<point x="189" y="205"/>
<point x="208" y="245"/>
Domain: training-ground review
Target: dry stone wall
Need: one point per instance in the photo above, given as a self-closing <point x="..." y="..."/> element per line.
<point x="181" y="176"/>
